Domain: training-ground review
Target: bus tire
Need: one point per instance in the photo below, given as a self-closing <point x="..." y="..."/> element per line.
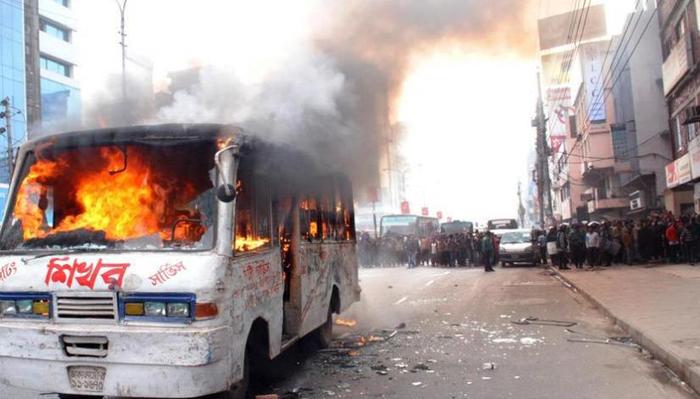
<point x="324" y="334"/>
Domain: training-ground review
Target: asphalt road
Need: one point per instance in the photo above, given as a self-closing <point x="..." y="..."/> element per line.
<point x="455" y="320"/>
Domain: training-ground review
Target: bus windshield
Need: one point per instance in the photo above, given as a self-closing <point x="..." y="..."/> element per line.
<point x="123" y="196"/>
<point x="500" y="224"/>
<point x="399" y="225"/>
<point x="516" y="237"/>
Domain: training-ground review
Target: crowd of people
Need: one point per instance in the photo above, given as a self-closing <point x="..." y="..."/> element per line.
<point x="660" y="237"/>
<point x="447" y="250"/>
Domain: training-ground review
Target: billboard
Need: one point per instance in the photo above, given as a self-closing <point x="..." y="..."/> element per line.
<point x="405" y="208"/>
<point x="593" y="55"/>
<point x="678" y="172"/>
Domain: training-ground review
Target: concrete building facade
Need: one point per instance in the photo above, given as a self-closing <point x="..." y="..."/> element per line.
<point x="681" y="81"/>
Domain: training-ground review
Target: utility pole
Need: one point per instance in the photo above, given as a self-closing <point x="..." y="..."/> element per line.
<point x="122" y="33"/>
<point x="7" y="114"/>
<point x="544" y="183"/>
<point x="521" y="208"/>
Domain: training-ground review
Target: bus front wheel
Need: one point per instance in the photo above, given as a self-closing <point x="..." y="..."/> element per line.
<point x="240" y="389"/>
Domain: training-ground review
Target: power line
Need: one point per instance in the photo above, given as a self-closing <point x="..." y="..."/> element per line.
<point x="595" y="104"/>
<point x="634" y="49"/>
<point x="571" y="54"/>
<point x="611" y="70"/>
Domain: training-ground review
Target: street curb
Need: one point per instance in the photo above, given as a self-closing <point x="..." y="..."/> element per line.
<point x="684" y="368"/>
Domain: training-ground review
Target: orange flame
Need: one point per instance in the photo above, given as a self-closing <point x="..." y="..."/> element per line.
<point x="345" y="322"/>
<point x="105" y="189"/>
<point x="245" y="244"/>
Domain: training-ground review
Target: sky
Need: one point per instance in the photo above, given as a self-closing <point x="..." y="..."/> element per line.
<point x="467" y="113"/>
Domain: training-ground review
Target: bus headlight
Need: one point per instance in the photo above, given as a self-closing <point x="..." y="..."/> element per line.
<point x="154" y="309"/>
<point x="178" y="309"/>
<point x="157" y="307"/>
<point x="25" y="305"/>
<point x="8" y="308"/>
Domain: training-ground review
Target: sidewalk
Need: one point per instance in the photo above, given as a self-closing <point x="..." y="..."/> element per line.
<point x="659" y="307"/>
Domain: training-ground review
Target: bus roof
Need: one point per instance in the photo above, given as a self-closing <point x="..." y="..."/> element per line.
<point x="172" y="131"/>
<point x="274" y="157"/>
<point x="409" y="216"/>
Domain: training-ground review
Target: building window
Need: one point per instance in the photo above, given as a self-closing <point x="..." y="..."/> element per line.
<point x="678" y="130"/>
<point x="619" y="141"/>
<point x="64" y="3"/>
<point x="55" y="30"/>
<point x="52" y="65"/>
<point x="681" y="28"/>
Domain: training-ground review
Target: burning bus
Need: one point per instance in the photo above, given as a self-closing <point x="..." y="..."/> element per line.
<point x="167" y="261"/>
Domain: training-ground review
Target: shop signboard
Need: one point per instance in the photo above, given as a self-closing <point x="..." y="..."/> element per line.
<point x="678" y="172"/>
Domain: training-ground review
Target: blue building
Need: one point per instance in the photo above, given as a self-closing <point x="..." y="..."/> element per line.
<point x="12" y="75"/>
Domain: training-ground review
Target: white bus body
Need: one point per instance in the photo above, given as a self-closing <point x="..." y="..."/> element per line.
<point x="183" y="319"/>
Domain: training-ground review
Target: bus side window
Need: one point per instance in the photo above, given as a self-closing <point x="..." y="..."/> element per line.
<point x="327" y="213"/>
<point x="253" y="226"/>
<point x="309" y="215"/>
<point x="345" y="219"/>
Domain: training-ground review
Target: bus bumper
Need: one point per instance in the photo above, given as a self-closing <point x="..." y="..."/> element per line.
<point x="140" y="362"/>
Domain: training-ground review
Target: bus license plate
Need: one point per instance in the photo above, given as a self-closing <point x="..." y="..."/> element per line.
<point x="87" y="379"/>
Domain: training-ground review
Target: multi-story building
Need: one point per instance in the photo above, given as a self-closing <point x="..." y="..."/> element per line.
<point x="60" y="91"/>
<point x="13" y="78"/>
<point x="562" y="76"/>
<point x="681" y="82"/>
<point x="607" y="128"/>
<point x="621" y="121"/>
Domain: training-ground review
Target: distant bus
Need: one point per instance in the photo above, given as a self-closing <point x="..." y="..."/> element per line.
<point x="407" y="225"/>
<point x="502" y="224"/>
<point x="457" y="227"/>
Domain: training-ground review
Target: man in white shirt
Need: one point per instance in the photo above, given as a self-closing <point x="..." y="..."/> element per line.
<point x="592" y="245"/>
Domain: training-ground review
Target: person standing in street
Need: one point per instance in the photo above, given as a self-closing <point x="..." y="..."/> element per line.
<point x="592" y="245"/>
<point x="627" y="238"/>
<point x="607" y="245"/>
<point x="412" y="248"/>
<point x="487" y="251"/>
<point x="562" y="247"/>
<point x="577" y="243"/>
<point x="673" y="241"/>
<point x="542" y="246"/>
<point x="688" y="239"/>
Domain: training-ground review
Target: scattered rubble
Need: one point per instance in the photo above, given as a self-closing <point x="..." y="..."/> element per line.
<point x="488" y="366"/>
<point x="542" y="322"/>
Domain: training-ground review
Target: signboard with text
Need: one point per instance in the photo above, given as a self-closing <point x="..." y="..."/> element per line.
<point x="405" y="208"/>
<point x="678" y="172"/>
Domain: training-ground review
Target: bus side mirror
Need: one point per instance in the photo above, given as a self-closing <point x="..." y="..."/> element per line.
<point x="226" y="193"/>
